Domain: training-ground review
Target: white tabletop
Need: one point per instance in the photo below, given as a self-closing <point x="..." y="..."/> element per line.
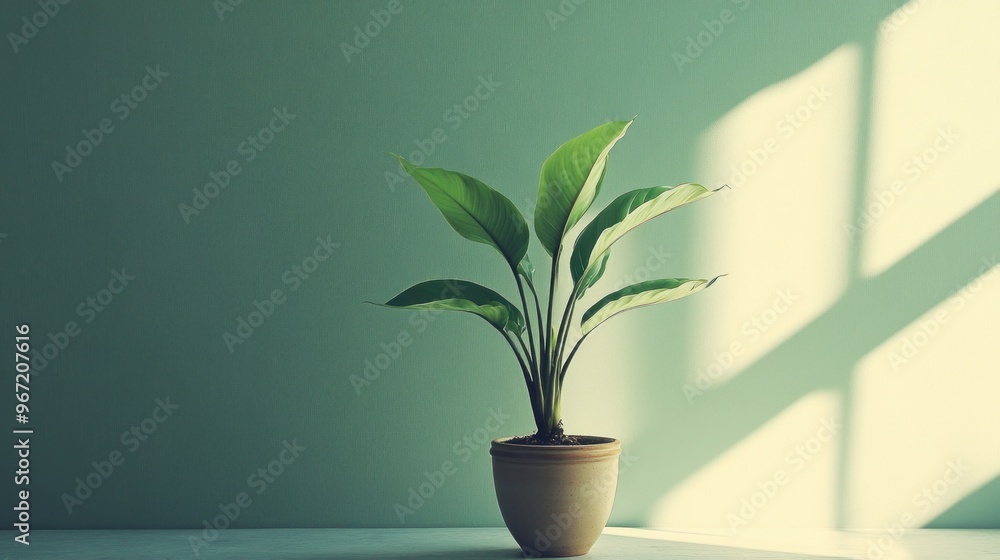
<point x="495" y="543"/>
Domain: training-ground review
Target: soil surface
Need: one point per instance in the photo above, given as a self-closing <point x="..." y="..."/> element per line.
<point x="557" y="437"/>
<point x="550" y="439"/>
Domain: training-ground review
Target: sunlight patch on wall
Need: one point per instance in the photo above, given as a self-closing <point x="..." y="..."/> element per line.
<point x="782" y="475"/>
<point x="925" y="410"/>
<point x="935" y="126"/>
<point x="788" y="153"/>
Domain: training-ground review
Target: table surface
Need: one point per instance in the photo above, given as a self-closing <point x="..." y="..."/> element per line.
<point x="473" y="544"/>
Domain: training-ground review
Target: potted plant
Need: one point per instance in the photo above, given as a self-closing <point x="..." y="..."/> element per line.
<point x="555" y="490"/>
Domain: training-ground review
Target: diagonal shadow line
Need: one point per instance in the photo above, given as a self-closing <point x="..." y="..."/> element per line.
<point x="859" y="199"/>
<point x="809" y="351"/>
<point x="977" y="510"/>
<point x="824" y="367"/>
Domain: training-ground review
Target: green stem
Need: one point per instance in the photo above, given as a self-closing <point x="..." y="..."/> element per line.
<point x="572" y="353"/>
<point x="541" y="324"/>
<point x="556" y="412"/>
<point x="576" y="347"/>
<point x="564" y="332"/>
<point x="546" y="374"/>
<point x="524" y="348"/>
<point x="527" y="318"/>
<point x="569" y="358"/>
<point x="552" y="294"/>
<point x="533" y="394"/>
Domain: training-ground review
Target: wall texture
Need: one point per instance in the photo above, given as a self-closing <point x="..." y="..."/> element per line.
<point x="197" y="198"/>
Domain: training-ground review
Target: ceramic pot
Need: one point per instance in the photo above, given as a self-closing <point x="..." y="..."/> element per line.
<point x="556" y="499"/>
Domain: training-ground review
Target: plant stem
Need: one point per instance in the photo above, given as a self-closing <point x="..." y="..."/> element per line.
<point x="547" y="372"/>
<point x="572" y="353"/>
<point x="570" y="358"/>
<point x="527" y="353"/>
<point x="533" y="394"/>
<point x="564" y="332"/>
<point x="541" y="324"/>
<point x="554" y="418"/>
<point x="527" y="319"/>
<point x="520" y="360"/>
<point x="552" y="294"/>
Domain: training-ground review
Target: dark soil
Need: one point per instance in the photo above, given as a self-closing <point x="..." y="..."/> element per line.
<point x="549" y="439"/>
<point x="557" y="437"/>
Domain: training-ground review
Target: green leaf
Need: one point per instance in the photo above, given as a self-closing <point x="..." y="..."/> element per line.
<point x="474" y="209"/>
<point x="624" y="214"/>
<point x="570" y="181"/>
<point x="641" y="295"/>
<point x="459" y="295"/>
<point x="527" y="270"/>
<point x="591" y="276"/>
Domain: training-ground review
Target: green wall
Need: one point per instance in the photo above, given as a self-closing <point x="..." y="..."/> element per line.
<point x="316" y="186"/>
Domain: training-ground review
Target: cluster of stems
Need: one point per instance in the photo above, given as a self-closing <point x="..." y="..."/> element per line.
<point x="544" y="364"/>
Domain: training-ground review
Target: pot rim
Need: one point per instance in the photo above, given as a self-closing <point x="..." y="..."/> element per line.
<point x="607" y="447"/>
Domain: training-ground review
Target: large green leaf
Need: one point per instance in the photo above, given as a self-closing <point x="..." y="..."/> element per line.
<point x="459" y="295"/>
<point x="624" y="214"/>
<point x="570" y="181"/>
<point x="641" y="295"/>
<point x="474" y="209"/>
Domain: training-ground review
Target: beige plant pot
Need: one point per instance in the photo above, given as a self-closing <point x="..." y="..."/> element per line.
<point x="556" y="499"/>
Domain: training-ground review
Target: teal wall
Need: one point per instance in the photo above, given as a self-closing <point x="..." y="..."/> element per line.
<point x="539" y="81"/>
